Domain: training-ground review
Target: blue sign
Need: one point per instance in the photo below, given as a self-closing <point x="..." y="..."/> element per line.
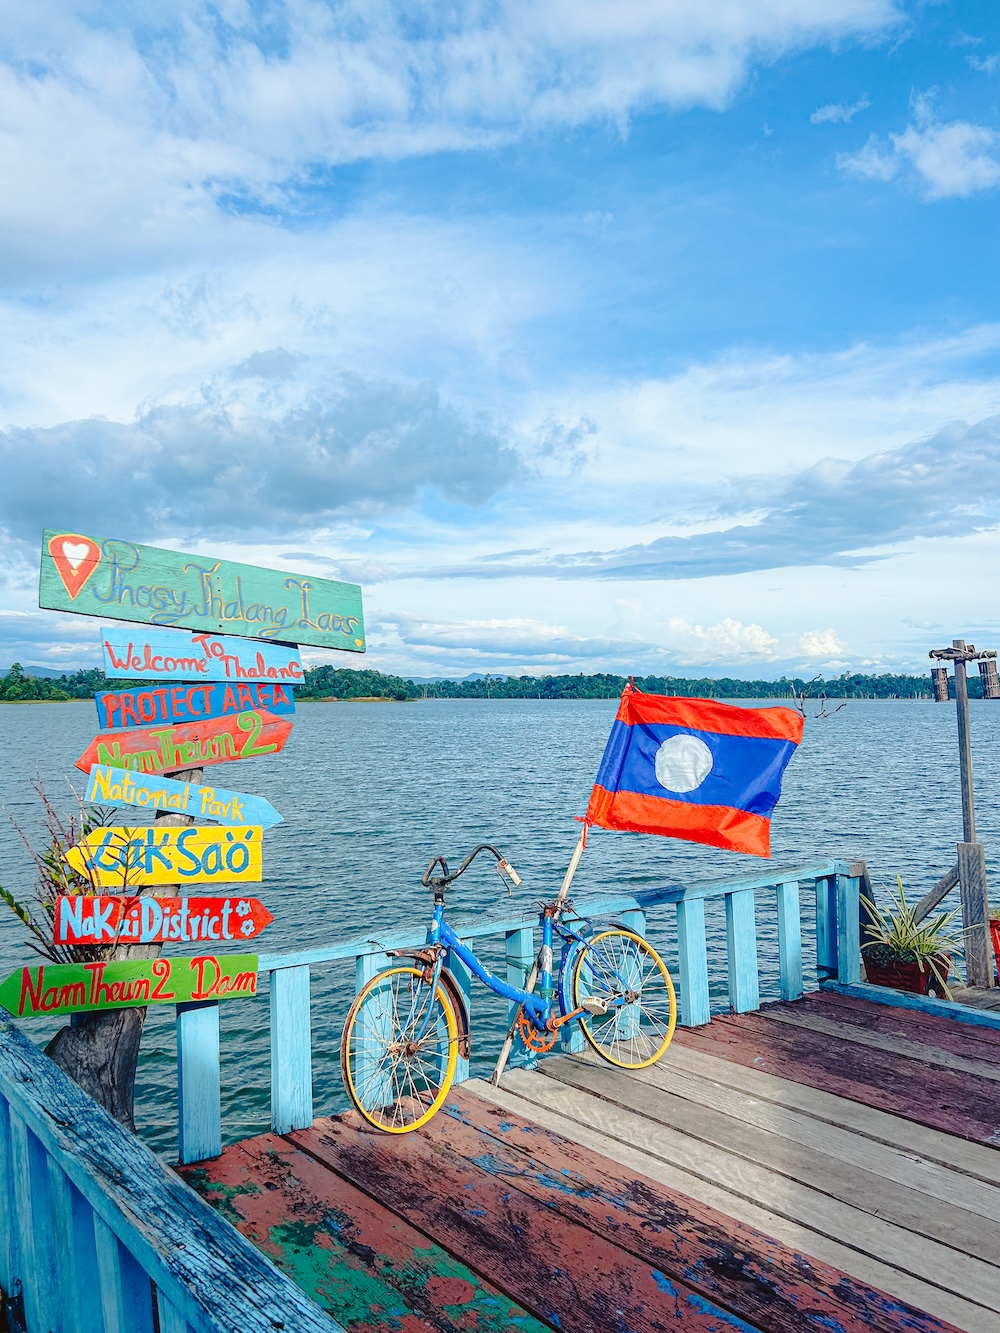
<point x="190" y="703"/>
<point x="163" y="654"/>
<point x="151" y="791"/>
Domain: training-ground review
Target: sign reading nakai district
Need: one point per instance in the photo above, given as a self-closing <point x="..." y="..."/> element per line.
<point x="189" y="703"/>
<point x="73" y="988"/>
<point x="191" y="745"/>
<point x="164" y="654"/>
<point x="87" y="918"/>
<point x="119" y="857"/>
<point x="105" y="576"/>
<point x="122" y="787"/>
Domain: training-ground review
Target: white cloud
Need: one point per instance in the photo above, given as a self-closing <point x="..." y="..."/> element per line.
<point x="726" y="643"/>
<point x="822" y="643"/>
<point x="953" y="160"/>
<point x="984" y="65"/>
<point x="839" y="113"/>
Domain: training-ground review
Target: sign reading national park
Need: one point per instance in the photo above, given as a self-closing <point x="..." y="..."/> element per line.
<point x="189" y="703"/>
<point x="119" y="857"/>
<point x="88" y="918"/>
<point x="190" y="745"/>
<point x="73" y="988"/>
<point x="105" y="576"/>
<point x="163" y="654"/>
<point x="121" y="786"/>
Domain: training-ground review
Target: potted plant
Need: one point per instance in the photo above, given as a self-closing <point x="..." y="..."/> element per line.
<point x="995" y="932"/>
<point x="905" y="954"/>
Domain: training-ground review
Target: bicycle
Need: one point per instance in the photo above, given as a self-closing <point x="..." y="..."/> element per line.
<point x="408" y="1025"/>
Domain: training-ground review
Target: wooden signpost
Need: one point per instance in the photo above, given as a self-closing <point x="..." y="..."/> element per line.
<point x="190" y="745"/>
<point x="74" y="988"/>
<point x="163" y="654"/>
<point x="190" y="703"/>
<point x="102" y="576"/>
<point x="120" y="786"/>
<point x="120" y="857"/>
<point x="86" y="918"/>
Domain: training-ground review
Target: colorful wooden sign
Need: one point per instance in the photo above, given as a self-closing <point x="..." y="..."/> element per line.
<point x="87" y="918"/>
<point x="164" y="654"/>
<point x="104" y="576"/>
<point x="120" y="857"/>
<point x="73" y="988"/>
<point x="120" y="786"/>
<point x="190" y="703"/>
<point x="191" y="745"/>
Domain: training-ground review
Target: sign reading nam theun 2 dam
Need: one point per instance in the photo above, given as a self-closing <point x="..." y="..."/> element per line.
<point x="105" y="576"/>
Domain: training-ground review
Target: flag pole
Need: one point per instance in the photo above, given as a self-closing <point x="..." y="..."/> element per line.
<point x="571" y="869"/>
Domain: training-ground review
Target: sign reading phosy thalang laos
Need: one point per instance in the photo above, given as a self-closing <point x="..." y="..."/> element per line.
<point x="103" y="576"/>
<point x="119" y="857"/>
<point x="120" y="786"/>
<point x="189" y="703"/>
<point x="163" y="654"/>
<point x="86" y="918"/>
<point x="73" y="988"/>
<point x="190" y="745"/>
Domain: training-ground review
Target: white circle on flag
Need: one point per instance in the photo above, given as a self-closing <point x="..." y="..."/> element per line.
<point x="683" y="763"/>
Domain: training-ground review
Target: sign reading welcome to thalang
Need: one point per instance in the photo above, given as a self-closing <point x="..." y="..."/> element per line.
<point x="72" y="988"/>
<point x="165" y="654"/>
<point x="105" y="576"/>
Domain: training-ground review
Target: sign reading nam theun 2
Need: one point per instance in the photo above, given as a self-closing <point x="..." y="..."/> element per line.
<point x="73" y="988"/>
<point x="105" y="576"/>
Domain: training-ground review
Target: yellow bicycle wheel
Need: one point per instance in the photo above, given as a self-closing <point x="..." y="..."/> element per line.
<point x="399" y="1050"/>
<point x="621" y="969"/>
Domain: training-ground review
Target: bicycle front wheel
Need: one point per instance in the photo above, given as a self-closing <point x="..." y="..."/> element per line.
<point x="399" y="1050"/>
<point x="622" y="970"/>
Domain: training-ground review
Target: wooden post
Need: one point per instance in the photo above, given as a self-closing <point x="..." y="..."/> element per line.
<point x="741" y="940"/>
<point x="789" y="940"/>
<point x="291" y="1050"/>
<point x="199" y="1089"/>
<point x="975" y="914"/>
<point x="964" y="745"/>
<point x="692" y="958"/>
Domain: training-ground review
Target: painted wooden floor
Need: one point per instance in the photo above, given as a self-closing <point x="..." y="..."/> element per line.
<point x="822" y="1165"/>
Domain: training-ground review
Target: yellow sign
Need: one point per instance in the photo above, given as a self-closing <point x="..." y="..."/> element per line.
<point x="119" y="857"/>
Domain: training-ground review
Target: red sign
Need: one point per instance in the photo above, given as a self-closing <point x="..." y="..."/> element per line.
<point x="217" y="740"/>
<point x="75" y="558"/>
<point x="116" y="919"/>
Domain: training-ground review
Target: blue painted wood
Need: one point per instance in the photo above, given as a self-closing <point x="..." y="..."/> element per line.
<point x="826" y="928"/>
<point x="741" y="942"/>
<point x="673" y="893"/>
<point x="463" y="979"/>
<point x="789" y="940"/>
<point x="848" y="929"/>
<point x="152" y="791"/>
<point x="367" y="966"/>
<point x="126" y="1295"/>
<point x="31" y="1202"/>
<point x="171" y="1321"/>
<point x="926" y="1004"/>
<point x="199" y="1092"/>
<point x="520" y="958"/>
<point x="167" y="704"/>
<point x="164" y="654"/>
<point x="10" y="1266"/>
<point x="291" y="1050"/>
<point x="73" y="1238"/>
<point x="692" y="957"/>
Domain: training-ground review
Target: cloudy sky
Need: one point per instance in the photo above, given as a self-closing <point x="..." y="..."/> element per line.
<point x="630" y="335"/>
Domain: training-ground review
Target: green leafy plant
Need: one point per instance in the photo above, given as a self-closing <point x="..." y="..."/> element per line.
<point x="895" y="935"/>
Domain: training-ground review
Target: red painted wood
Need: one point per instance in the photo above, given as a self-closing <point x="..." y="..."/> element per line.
<point x="560" y="1271"/>
<point x="366" y="1267"/>
<point x="147" y="919"/>
<point x="732" y="1264"/>
<point x="944" y="1099"/>
<point x="166" y="749"/>
<point x="978" y="1043"/>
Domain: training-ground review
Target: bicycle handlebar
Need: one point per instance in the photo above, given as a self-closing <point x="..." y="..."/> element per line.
<point x="440" y="882"/>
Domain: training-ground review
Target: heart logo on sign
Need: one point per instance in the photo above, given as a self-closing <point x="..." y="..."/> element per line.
<point x="75" y="558"/>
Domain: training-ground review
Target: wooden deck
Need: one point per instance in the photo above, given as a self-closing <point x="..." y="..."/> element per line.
<point x="823" y="1165"/>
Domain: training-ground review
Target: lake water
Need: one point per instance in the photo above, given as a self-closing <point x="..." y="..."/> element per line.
<point x="370" y="792"/>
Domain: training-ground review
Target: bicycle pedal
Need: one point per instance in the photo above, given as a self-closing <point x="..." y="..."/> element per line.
<point x="593" y="1004"/>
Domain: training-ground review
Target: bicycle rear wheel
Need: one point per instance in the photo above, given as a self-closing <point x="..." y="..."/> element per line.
<point x="399" y="1050"/>
<point x="624" y="971"/>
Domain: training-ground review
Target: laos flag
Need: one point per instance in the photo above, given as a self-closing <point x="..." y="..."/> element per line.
<point x="695" y="769"/>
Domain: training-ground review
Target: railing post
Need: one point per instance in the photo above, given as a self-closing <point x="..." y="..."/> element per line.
<point x="848" y="928"/>
<point x="789" y="940"/>
<point x="199" y="1090"/>
<point x="366" y="967"/>
<point x="520" y="958"/>
<point x="692" y="957"/>
<point x="463" y="980"/>
<point x="291" y="1050"/>
<point x="826" y="930"/>
<point x="741" y="943"/>
<point x="9" y="1258"/>
<point x="125" y="1290"/>
<point x="31" y="1205"/>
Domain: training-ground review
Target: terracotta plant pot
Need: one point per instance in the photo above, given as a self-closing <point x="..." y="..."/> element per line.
<point x="899" y="975"/>
<point x="995" y="933"/>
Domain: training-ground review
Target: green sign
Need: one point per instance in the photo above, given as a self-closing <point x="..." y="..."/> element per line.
<point x="104" y="576"/>
<point x="73" y="988"/>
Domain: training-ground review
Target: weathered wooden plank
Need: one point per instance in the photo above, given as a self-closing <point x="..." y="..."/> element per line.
<point x="125" y="1290"/>
<point x="10" y="1262"/>
<point x="789" y="940"/>
<point x="76" y="1261"/>
<point x="118" y="856"/>
<point x="172" y="704"/>
<point x="848" y="888"/>
<point x="363" y="1264"/>
<point x="941" y="889"/>
<point x="924" y="1004"/>
<point x="550" y="1104"/>
<point x="943" y="1098"/>
<point x="31" y="1205"/>
<point x="157" y="654"/>
<point x="935" y="1029"/>
<point x="127" y="919"/>
<point x="106" y="576"/>
<point x="199" y="1082"/>
<point x="973" y="1159"/>
<point x="741" y="942"/>
<point x="812" y="872"/>
<point x="734" y="1265"/>
<point x="561" y="1272"/>
<point x="826" y="927"/>
<point x="170" y="1320"/>
<point x="969" y="1234"/>
<point x="291" y="1050"/>
<point x="845" y="1145"/>
<point x="125" y="787"/>
<point x="692" y="955"/>
<point x="221" y="740"/>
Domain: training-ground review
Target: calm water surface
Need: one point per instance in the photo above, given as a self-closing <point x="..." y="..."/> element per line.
<point x="370" y="792"/>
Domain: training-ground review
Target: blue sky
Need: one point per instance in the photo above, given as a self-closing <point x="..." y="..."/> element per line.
<point x="636" y="336"/>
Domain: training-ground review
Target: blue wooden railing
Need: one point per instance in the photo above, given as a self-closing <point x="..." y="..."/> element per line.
<point x="836" y="888"/>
